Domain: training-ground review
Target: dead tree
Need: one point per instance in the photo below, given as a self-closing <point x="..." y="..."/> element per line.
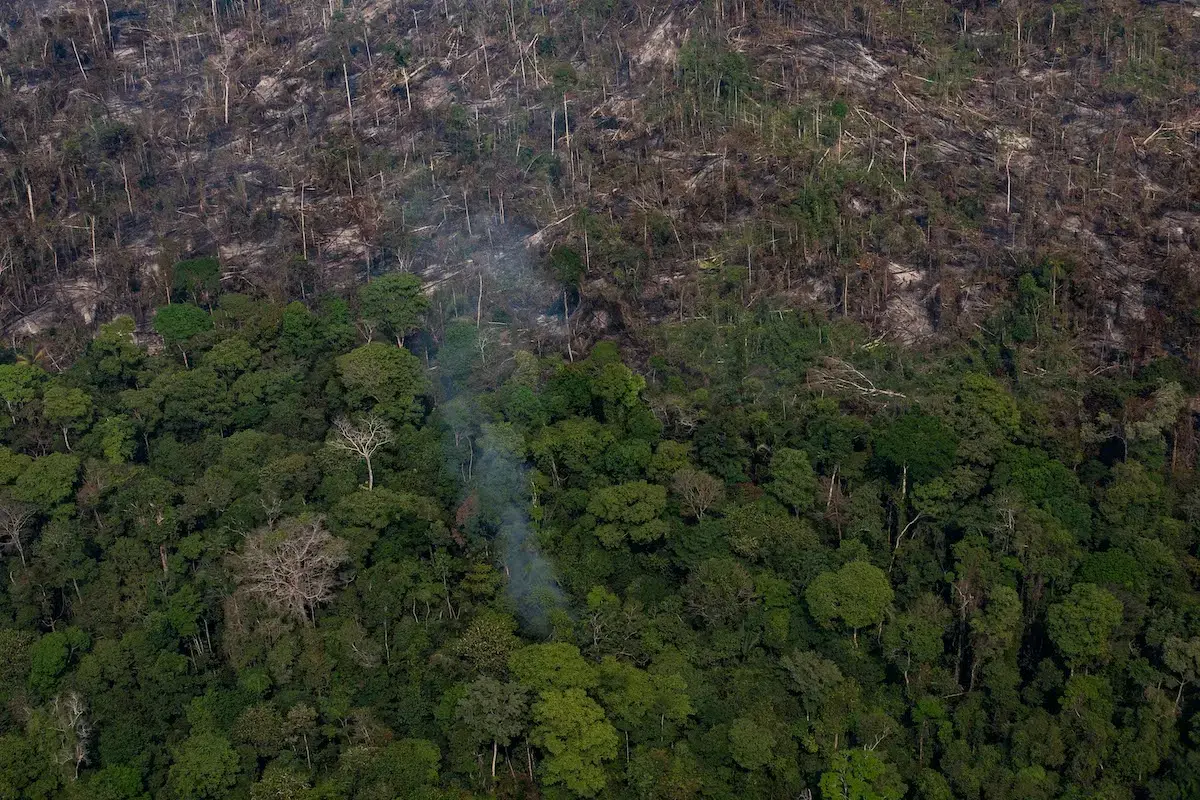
<point x="74" y="729"/>
<point x="14" y="527"/>
<point x="697" y="491"/>
<point x="363" y="438"/>
<point x="292" y="568"/>
<point x="841" y="376"/>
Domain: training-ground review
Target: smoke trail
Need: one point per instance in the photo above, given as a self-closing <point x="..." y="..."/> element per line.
<point x="495" y="478"/>
<point x="504" y="496"/>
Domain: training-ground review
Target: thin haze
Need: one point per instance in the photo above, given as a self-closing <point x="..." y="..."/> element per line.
<point x="498" y="476"/>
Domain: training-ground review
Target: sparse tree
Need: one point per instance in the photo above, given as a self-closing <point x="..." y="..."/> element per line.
<point x="14" y="527"/>
<point x="1183" y="658"/>
<point x="74" y="729"/>
<point x="292" y="568"/>
<point x="363" y="438"/>
<point x="697" y="491"/>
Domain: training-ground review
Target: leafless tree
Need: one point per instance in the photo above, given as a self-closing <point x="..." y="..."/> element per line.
<point x="14" y="527"/>
<point x="697" y="491"/>
<point x="841" y="376"/>
<point x="74" y="729"/>
<point x="292" y="568"/>
<point x="363" y="438"/>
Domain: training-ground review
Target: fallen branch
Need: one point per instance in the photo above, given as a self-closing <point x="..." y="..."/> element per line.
<point x="839" y="375"/>
<point x="535" y="239"/>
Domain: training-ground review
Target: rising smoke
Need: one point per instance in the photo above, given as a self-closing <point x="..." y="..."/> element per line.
<point x="504" y="493"/>
<point x="490" y="456"/>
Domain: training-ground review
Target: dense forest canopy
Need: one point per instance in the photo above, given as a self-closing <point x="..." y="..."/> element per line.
<point x="599" y="399"/>
<point x="315" y="550"/>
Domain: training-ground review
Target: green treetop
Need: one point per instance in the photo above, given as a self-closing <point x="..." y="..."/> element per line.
<point x="857" y="595"/>
<point x="394" y="303"/>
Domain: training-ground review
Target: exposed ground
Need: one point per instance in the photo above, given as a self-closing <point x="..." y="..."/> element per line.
<point x="900" y="164"/>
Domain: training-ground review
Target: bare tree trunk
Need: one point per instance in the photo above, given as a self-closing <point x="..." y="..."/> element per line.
<point x="128" y="196"/>
<point x="78" y="60"/>
<point x="567" y="323"/>
<point x="108" y="23"/>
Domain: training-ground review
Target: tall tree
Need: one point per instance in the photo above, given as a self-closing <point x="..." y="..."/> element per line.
<point x="177" y="324"/>
<point x="390" y="376"/>
<point x="554" y="665"/>
<point x="19" y="386"/>
<point x="793" y="481"/>
<point x="393" y="302"/>
<point x="629" y="512"/>
<point x="205" y="767"/>
<point x="1082" y="624"/>
<point x="861" y="775"/>
<point x="1182" y="656"/>
<point x="493" y="712"/>
<point x="66" y="407"/>
<point x="577" y="739"/>
<point x="857" y="594"/>
<point x="200" y="278"/>
<point x="915" y="448"/>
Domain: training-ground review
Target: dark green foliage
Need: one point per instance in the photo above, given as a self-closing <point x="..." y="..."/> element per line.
<point x="180" y="322"/>
<point x="197" y="278"/>
<point x="915" y="447"/>
<point x="749" y="588"/>
<point x="710" y="67"/>
<point x="1047" y="484"/>
<point x="383" y="376"/>
<point x="393" y="302"/>
<point x="567" y="264"/>
<point x="793" y="482"/>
